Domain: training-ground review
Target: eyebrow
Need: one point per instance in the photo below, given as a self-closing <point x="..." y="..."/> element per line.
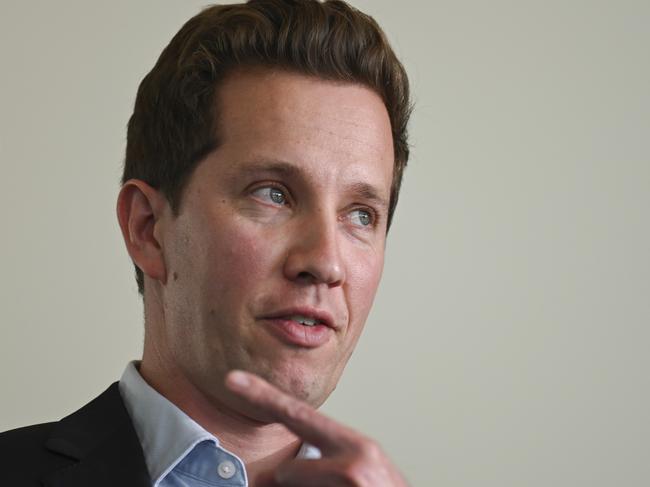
<point x="365" y="191"/>
<point x="270" y="166"/>
<point x="369" y="193"/>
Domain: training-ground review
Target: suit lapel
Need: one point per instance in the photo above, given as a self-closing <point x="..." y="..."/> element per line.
<point x="102" y="445"/>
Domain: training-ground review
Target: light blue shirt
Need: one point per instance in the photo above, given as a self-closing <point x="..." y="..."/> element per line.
<point x="177" y="450"/>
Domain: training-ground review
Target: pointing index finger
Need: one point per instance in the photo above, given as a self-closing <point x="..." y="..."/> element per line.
<point x="303" y="420"/>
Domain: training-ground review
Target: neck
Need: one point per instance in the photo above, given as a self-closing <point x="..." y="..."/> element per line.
<point x="261" y="446"/>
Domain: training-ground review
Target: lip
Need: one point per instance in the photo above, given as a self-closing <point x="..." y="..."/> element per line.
<point x="320" y="315"/>
<point x="295" y="334"/>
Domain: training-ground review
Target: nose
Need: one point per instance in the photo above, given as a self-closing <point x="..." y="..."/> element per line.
<point x="315" y="254"/>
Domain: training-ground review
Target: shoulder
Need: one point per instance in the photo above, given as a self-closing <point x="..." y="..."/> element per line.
<point x="24" y="457"/>
<point x="95" y="442"/>
<point x="24" y="441"/>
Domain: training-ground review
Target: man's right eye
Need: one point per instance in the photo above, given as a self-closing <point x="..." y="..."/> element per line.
<point x="271" y="194"/>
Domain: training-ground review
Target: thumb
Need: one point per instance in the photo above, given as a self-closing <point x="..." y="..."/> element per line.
<point x="308" y="473"/>
<point x="265" y="479"/>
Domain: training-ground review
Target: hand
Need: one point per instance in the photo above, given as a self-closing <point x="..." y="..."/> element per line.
<point x="349" y="458"/>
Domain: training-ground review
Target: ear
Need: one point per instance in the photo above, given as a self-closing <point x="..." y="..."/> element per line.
<point x="139" y="209"/>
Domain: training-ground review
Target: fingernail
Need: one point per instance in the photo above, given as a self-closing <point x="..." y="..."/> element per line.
<point x="239" y="378"/>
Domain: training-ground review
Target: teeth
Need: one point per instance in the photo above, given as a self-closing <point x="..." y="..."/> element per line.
<point x="304" y="320"/>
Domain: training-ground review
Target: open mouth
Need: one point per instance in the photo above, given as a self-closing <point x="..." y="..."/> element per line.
<point x="305" y="320"/>
<point x="299" y="329"/>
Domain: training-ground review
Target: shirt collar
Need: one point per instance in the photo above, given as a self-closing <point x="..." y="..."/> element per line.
<point x="166" y="433"/>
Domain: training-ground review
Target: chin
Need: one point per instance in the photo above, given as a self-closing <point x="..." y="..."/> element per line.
<point x="312" y="388"/>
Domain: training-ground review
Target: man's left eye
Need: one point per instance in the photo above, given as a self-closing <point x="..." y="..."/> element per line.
<point x="272" y="194"/>
<point x="362" y="218"/>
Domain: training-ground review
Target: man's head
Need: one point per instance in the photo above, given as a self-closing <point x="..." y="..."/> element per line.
<point x="264" y="160"/>
<point x="175" y="118"/>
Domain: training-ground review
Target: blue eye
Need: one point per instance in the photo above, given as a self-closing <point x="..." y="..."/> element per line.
<point x="271" y="193"/>
<point x="362" y="218"/>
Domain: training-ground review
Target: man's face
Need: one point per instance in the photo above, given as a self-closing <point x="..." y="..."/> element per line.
<point x="285" y="222"/>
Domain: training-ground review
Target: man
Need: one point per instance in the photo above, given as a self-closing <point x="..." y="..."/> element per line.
<point x="263" y="165"/>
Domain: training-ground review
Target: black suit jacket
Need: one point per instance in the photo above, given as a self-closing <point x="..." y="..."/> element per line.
<point x="95" y="446"/>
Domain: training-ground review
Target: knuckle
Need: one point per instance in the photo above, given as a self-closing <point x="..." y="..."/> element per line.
<point x="362" y="468"/>
<point x="370" y="449"/>
<point x="296" y="410"/>
<point x="355" y="474"/>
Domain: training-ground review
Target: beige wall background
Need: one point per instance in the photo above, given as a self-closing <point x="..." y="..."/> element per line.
<point x="509" y="341"/>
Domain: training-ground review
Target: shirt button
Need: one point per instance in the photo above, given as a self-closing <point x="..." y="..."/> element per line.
<point x="226" y="469"/>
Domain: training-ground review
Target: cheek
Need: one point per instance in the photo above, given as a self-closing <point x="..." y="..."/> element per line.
<point x="363" y="280"/>
<point x="239" y="259"/>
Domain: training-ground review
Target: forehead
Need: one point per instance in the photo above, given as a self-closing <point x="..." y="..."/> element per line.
<point x="329" y="129"/>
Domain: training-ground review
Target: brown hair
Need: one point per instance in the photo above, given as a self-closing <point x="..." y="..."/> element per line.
<point x="173" y="125"/>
